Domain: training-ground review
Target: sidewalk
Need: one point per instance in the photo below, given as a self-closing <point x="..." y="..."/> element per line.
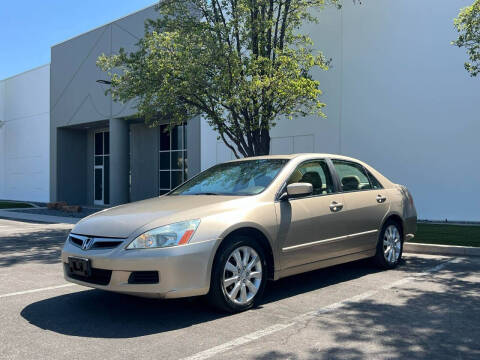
<point x="37" y="217"/>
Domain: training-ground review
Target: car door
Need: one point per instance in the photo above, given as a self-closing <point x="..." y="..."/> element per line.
<point x="311" y="226"/>
<point x="365" y="204"/>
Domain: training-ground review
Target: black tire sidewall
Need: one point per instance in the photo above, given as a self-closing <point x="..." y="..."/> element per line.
<point x="217" y="294"/>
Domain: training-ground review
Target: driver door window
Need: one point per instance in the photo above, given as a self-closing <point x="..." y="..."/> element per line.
<point x="315" y="173"/>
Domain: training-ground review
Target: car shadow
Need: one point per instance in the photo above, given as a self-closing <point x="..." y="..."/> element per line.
<point x="102" y="314"/>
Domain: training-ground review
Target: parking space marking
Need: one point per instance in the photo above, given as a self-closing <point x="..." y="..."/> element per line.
<point x="238" y="341"/>
<point x="36" y="290"/>
<point x="206" y="354"/>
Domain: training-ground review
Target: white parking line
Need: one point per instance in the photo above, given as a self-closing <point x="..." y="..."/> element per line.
<point x="239" y="341"/>
<point x="36" y="290"/>
<point x="206" y="354"/>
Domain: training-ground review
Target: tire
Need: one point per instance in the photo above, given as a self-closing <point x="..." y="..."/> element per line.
<point x="238" y="296"/>
<point x="391" y="234"/>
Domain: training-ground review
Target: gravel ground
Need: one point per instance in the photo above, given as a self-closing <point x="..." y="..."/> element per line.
<point x="51" y="212"/>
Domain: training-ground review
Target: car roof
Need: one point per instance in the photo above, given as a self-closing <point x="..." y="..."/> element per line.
<point x="306" y="156"/>
<point x="299" y="155"/>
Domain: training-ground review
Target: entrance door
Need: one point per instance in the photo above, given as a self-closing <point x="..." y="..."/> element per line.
<point x="101" y="178"/>
<point x="98" y="181"/>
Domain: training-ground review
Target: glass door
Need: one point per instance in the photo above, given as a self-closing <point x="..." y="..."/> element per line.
<point x="173" y="157"/>
<point x="101" y="177"/>
<point x="98" y="183"/>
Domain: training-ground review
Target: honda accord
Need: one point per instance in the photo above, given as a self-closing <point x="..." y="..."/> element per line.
<point x="229" y="229"/>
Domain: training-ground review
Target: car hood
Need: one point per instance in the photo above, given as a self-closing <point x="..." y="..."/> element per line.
<point x="121" y="221"/>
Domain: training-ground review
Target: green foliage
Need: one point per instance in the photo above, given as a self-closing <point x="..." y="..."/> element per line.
<point x="446" y="234"/>
<point x="14" y="205"/>
<point x="240" y="63"/>
<point x="468" y="26"/>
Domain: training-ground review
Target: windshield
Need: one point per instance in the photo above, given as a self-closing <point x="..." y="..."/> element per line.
<point x="247" y="177"/>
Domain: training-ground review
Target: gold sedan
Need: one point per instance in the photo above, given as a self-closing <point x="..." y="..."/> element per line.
<point x="229" y="229"/>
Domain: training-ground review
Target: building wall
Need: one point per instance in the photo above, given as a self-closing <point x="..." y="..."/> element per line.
<point x="24" y="136"/>
<point x="144" y="148"/>
<point x="398" y="98"/>
<point x="423" y="107"/>
<point x="72" y="165"/>
<point x="78" y="101"/>
<point x="2" y="138"/>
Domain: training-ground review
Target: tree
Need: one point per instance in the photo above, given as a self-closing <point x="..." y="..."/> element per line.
<point x="243" y="64"/>
<point x="468" y="26"/>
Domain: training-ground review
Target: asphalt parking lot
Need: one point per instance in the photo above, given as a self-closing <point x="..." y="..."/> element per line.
<point x="428" y="308"/>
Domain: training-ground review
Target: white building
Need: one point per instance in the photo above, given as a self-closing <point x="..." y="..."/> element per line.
<point x="24" y="136"/>
<point x="397" y="98"/>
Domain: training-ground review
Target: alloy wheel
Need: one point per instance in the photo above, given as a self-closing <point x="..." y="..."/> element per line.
<point x="391" y="244"/>
<point x="242" y="275"/>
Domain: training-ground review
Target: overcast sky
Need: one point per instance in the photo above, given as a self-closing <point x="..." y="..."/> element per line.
<point x="29" y="28"/>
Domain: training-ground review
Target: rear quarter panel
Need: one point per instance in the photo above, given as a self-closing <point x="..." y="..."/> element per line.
<point x="400" y="203"/>
<point x="401" y="206"/>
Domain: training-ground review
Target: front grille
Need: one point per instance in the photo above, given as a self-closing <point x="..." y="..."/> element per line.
<point x="76" y="241"/>
<point x="94" y="242"/>
<point x="143" y="277"/>
<point x="98" y="277"/>
<point x="105" y="244"/>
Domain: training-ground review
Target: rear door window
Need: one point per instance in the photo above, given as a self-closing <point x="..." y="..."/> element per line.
<point x="352" y="176"/>
<point x="373" y="180"/>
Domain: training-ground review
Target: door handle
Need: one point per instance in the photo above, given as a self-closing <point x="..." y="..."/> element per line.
<point x="381" y="198"/>
<point x="334" y="206"/>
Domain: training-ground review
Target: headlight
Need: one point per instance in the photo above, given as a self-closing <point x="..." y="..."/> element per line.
<point x="164" y="236"/>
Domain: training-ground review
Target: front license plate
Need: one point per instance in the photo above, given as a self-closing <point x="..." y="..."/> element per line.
<point x="80" y="266"/>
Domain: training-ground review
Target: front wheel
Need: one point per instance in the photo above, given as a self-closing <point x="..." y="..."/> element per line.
<point x="238" y="276"/>
<point x="390" y="245"/>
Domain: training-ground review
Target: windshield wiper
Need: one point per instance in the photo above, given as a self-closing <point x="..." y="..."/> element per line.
<point x="204" y="193"/>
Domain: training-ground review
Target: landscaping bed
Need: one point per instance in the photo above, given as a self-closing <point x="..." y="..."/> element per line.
<point x="54" y="212"/>
<point x="14" y="205"/>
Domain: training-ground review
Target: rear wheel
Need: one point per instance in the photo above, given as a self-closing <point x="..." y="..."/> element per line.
<point x="390" y="245"/>
<point x="238" y="276"/>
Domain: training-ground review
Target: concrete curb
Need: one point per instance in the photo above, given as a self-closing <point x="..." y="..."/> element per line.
<point x="441" y="249"/>
<point x="38" y="218"/>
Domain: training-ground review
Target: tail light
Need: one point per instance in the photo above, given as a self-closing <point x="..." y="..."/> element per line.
<point x="410" y="198"/>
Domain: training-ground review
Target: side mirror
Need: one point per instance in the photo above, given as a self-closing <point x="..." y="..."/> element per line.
<point x="299" y="189"/>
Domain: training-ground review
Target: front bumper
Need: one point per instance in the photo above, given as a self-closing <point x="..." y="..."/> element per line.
<point x="182" y="270"/>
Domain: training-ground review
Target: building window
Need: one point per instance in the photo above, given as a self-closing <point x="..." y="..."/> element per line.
<point x="173" y="168"/>
<point x="102" y="168"/>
